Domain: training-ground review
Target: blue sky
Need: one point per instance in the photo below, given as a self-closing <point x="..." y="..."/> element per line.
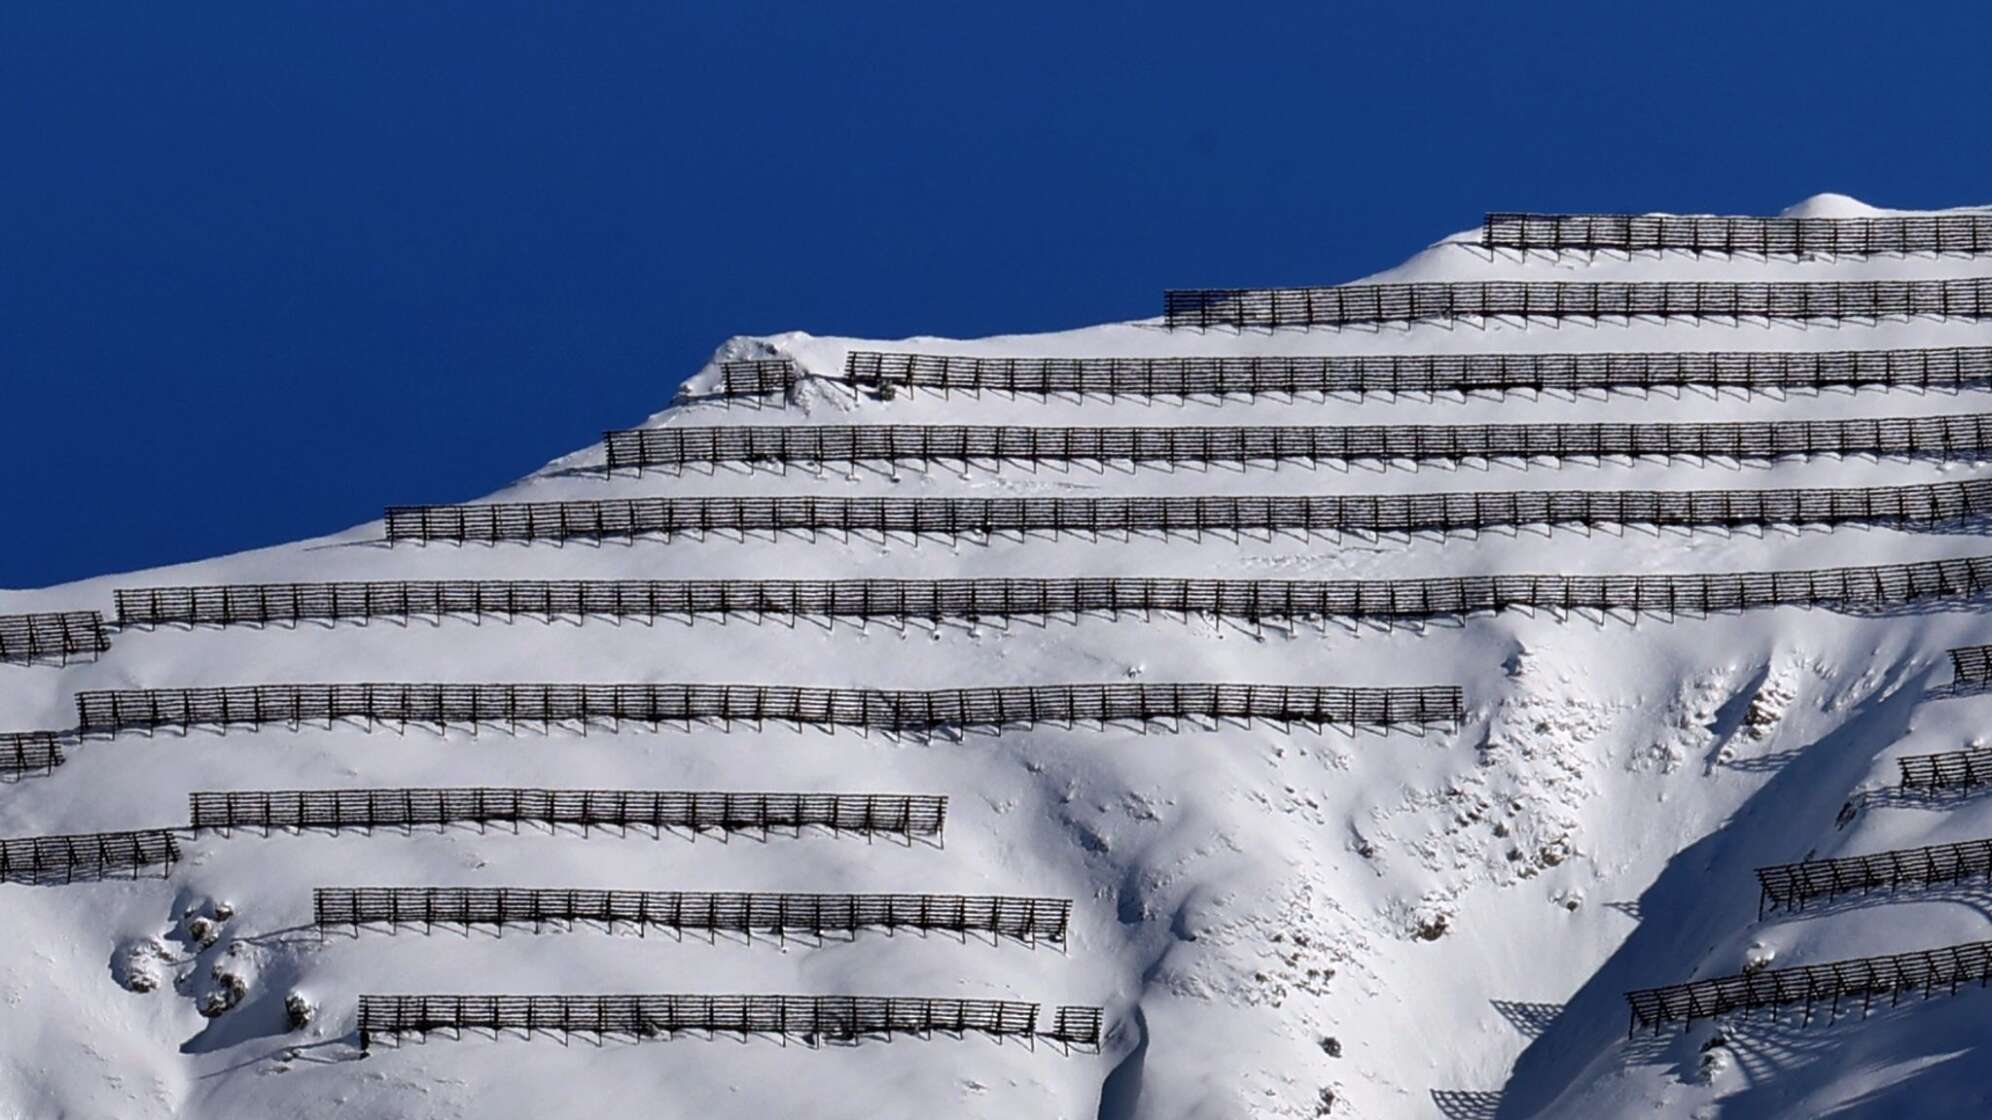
<point x="265" y="268"/>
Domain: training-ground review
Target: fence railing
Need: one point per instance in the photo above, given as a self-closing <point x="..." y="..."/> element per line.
<point x="1422" y="373"/>
<point x="838" y="1017"/>
<point x="756" y="376"/>
<point x="26" y="638"/>
<point x="1972" y="665"/>
<point x="1926" y="503"/>
<point x="23" y="752"/>
<point x="91" y="855"/>
<point x="1947" y="437"/>
<point x="1960" y="769"/>
<point x="1792" y="884"/>
<point x="699" y="811"/>
<point x="1929" y="971"/>
<point x="1705" y="233"/>
<point x="1250" y="599"/>
<point x="1400" y="303"/>
<point x="112" y="711"/>
<point x="1025" y="919"/>
<point x="1076" y="1025"/>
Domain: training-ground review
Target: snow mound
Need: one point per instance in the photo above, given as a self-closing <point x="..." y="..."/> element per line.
<point x="1829" y="205"/>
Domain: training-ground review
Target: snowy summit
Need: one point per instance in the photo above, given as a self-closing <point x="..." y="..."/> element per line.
<point x="1443" y="834"/>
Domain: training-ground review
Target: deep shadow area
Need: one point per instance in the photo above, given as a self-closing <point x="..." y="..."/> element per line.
<point x="1120" y="1094"/>
<point x="1959" y="689"/>
<point x="1784" y="1061"/>
<point x="1686" y="910"/>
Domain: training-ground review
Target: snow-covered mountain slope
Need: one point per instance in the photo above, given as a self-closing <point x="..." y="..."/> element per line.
<point x="1278" y="922"/>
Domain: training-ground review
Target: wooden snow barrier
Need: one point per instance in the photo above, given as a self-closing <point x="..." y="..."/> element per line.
<point x="1007" y="597"/>
<point x="1944" y="969"/>
<point x="1755" y="370"/>
<point x="1917" y="504"/>
<point x="1947" y="770"/>
<point x="110" y="712"/>
<point x="901" y="814"/>
<point x="1791" y="885"/>
<point x="1972" y="666"/>
<point x="757" y="376"/>
<point x="1708" y="233"/>
<point x="90" y="855"/>
<point x="1022" y="919"/>
<point x="1076" y="1025"/>
<point x="1358" y="304"/>
<point x="1946" y="437"/>
<point x="24" y="752"/>
<point x="841" y="1018"/>
<point x="27" y="638"/>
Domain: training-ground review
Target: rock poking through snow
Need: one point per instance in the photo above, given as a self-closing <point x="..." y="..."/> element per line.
<point x="141" y="965"/>
<point x="299" y="1010"/>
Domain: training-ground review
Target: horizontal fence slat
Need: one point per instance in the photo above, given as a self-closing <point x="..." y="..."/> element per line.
<point x="716" y="810"/>
<point x="752" y="377"/>
<point x="1791" y="885"/>
<point x="1757" y="370"/>
<point x="1948" y="437"/>
<point x="649" y="1016"/>
<point x="1972" y="666"/>
<point x="1009" y="597"/>
<point x="26" y="751"/>
<point x="1018" y="918"/>
<point x="1920" y="504"/>
<point x="27" y="638"/>
<point x="112" y="711"/>
<point x="1358" y="304"/>
<point x="1929" y="971"/>
<point x="91" y="855"/>
<point x="1959" y="769"/>
<point x="1710" y="233"/>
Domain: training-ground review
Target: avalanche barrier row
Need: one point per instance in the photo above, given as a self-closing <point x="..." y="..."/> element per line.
<point x="841" y="1018"/>
<point x="1919" y="504"/>
<point x="757" y="376"/>
<point x="27" y="638"/>
<point x="1249" y="599"/>
<point x="1360" y="304"/>
<point x="92" y="855"/>
<point x="1704" y="233"/>
<point x="698" y="811"/>
<point x="23" y="752"/>
<point x="1790" y="885"/>
<point x="1928" y="970"/>
<point x="1756" y="370"/>
<point x="1946" y="437"/>
<point x="1972" y="666"/>
<point x="1029" y="920"/>
<point x="1960" y="769"/>
<point x="113" y="711"/>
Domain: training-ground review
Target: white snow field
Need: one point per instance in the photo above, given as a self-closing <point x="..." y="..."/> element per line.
<point x="1277" y="921"/>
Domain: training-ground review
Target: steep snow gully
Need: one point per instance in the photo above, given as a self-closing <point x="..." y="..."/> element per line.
<point x="1446" y="680"/>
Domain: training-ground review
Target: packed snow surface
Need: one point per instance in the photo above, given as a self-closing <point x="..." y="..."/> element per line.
<point x="1278" y="923"/>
